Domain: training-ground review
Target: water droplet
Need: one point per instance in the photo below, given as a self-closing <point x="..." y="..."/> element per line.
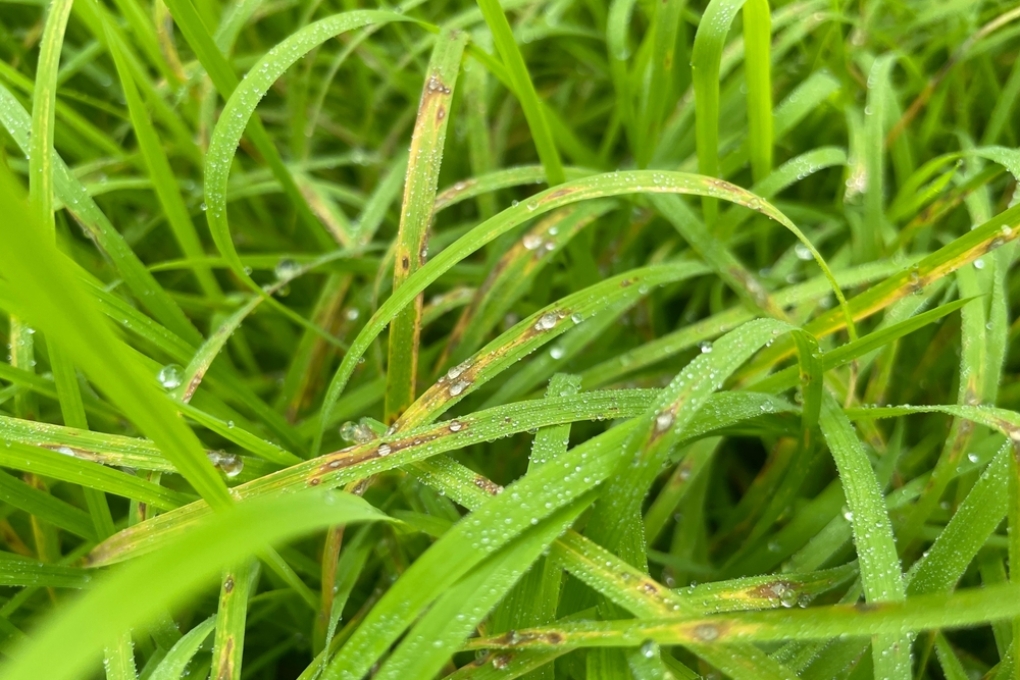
<point x="557" y="352"/>
<point x="532" y="241"/>
<point x="979" y="263"/>
<point x="455" y="372"/>
<point x="973" y="457"/>
<point x="705" y="346"/>
<point x="171" y="376"/>
<point x="546" y="321"/>
<point x="384" y="450"/>
<point x="648" y="649"/>
<point x="663" y="421"/>
<point x="356" y="433"/>
<point x="802" y="252"/>
<point x="458" y="387"/>
<point x="347" y="431"/>
<point x="576" y="318"/>
<point x="352" y="314"/>
<point x="286" y="269"/>
<point x="455" y="426"/>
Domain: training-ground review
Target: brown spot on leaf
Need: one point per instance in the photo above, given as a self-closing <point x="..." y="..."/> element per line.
<point x="226" y="669"/>
<point x="405" y="262"/>
<point x="314" y="481"/>
<point x="648" y="588"/>
<point x="501" y="661"/>
<point x="768" y="591"/>
<point x="441" y="112"/>
<point x="559" y="193"/>
<point x="487" y="485"/>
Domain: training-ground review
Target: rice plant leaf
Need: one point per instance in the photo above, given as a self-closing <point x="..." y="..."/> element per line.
<point x="924" y="612"/>
<point x="524" y="88"/>
<point x="881" y="572"/>
<point x="434" y="113"/>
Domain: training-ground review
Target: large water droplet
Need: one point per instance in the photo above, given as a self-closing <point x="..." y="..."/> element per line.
<point x="170" y="376"/>
<point x="286" y="269"/>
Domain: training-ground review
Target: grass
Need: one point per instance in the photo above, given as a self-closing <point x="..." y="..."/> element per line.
<point x="525" y="339"/>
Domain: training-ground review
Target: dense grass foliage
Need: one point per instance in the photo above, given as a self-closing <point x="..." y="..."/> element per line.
<point x="543" y="339"/>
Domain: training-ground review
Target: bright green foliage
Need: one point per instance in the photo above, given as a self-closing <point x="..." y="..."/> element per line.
<point x="554" y="339"/>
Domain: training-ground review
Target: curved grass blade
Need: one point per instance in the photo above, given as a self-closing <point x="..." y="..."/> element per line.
<point x="240" y="109"/>
<point x="362" y="461"/>
<point x="225" y="81"/>
<point x="615" y="522"/>
<point x="611" y="184"/>
<point x="942" y="566"/>
<point x="44" y="97"/>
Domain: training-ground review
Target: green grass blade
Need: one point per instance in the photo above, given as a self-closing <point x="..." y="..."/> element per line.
<point x="706" y="54"/>
<point x="68" y="643"/>
<point x="173" y="665"/>
<point x="758" y="74"/>
<point x="426" y="154"/>
<point x="231" y="617"/>
<point x="158" y="166"/>
<point x="966" y="608"/>
<point x="612" y="184"/>
<point x="53" y="297"/>
<point x="524" y="89"/>
<point x="881" y="573"/>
